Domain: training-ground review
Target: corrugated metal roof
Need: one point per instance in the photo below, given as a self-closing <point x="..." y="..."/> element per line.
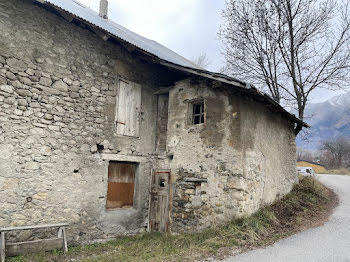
<point x="121" y="32"/>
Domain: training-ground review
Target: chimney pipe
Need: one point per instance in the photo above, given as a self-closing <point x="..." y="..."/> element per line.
<point x="104" y="9"/>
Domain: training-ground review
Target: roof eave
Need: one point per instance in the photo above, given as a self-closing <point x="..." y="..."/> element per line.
<point x="238" y="84"/>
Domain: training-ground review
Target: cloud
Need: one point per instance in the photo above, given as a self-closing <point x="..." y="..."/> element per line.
<point x="188" y="27"/>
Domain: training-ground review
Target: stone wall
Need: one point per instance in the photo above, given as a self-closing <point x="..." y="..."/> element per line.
<point x="57" y="108"/>
<point x="245" y="152"/>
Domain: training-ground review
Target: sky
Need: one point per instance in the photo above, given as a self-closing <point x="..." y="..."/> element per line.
<point x="188" y="27"/>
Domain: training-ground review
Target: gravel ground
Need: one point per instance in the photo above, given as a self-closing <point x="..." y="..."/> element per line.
<point x="327" y="243"/>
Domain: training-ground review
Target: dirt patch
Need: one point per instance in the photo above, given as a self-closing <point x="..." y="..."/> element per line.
<point x="308" y="205"/>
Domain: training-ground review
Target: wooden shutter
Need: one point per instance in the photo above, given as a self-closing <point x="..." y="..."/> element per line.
<point x="128" y="109"/>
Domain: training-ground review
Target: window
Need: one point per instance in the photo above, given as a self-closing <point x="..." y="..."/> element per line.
<point x="128" y="108"/>
<point x="162" y="182"/>
<point x="121" y="177"/>
<point x="198" y="113"/>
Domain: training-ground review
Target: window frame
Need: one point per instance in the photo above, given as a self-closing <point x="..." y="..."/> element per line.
<point x="201" y="113"/>
<point x="190" y="111"/>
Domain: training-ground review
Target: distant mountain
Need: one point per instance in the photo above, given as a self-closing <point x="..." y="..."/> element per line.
<point x="328" y="120"/>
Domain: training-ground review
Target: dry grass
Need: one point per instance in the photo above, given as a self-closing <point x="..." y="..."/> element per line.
<point x="307" y="205"/>
<point x="341" y="171"/>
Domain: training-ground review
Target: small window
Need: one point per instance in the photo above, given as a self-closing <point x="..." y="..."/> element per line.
<point x="198" y="113"/>
<point x="162" y="182"/>
<point x="121" y="177"/>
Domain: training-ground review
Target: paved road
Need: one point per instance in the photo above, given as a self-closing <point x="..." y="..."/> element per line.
<point x="327" y="243"/>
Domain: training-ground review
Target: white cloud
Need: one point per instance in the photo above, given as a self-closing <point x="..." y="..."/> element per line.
<point x="188" y="27"/>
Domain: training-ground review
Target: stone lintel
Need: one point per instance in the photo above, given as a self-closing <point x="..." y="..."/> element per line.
<point x="195" y="179"/>
<point x="124" y="158"/>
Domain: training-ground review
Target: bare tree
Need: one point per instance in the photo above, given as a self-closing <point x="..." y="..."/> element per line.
<point x="337" y="150"/>
<point x="305" y="155"/>
<point x="289" y="47"/>
<point x="250" y="50"/>
<point x="202" y="61"/>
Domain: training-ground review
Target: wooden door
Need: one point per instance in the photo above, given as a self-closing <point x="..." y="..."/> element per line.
<point x="120" y="192"/>
<point x="159" y="202"/>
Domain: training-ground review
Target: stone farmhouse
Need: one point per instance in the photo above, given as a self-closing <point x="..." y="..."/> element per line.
<point x="116" y="134"/>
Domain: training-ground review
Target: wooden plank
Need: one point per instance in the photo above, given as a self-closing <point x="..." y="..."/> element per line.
<point x="159" y="198"/>
<point x="119" y="195"/>
<point x="101" y="34"/>
<point x="133" y="110"/>
<point x="163" y="213"/>
<point x="59" y="232"/>
<point x="128" y="109"/>
<point x="194" y="179"/>
<point x="162" y="122"/>
<point x="120" y="119"/>
<point x="120" y="192"/>
<point x="68" y="17"/>
<point x="33" y="227"/>
<point x="21" y="248"/>
<point x="121" y="172"/>
<point x="138" y="105"/>
<point x="149" y="224"/>
<point x="125" y="158"/>
<point x="163" y="91"/>
<point x="65" y="247"/>
<point x="2" y="246"/>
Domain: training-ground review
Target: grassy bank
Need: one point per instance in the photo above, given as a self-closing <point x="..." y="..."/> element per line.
<point x="341" y="171"/>
<point x="309" y="204"/>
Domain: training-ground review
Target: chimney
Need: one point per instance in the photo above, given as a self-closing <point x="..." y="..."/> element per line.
<point x="104" y="9"/>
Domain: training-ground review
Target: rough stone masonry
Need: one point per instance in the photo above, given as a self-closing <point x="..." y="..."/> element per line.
<point x="58" y="88"/>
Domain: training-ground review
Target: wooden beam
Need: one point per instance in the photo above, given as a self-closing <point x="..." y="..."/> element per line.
<point x="124" y="158"/>
<point x="100" y="33"/>
<point x="2" y="246"/>
<point x="22" y="248"/>
<point x="194" y="179"/>
<point x="59" y="232"/>
<point x="163" y="91"/>
<point x="68" y="17"/>
<point x="203" y="73"/>
<point x="32" y="227"/>
<point x="131" y="48"/>
<point x="65" y="248"/>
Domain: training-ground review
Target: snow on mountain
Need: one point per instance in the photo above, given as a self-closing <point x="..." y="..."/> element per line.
<point x="328" y="120"/>
<point x="341" y="100"/>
